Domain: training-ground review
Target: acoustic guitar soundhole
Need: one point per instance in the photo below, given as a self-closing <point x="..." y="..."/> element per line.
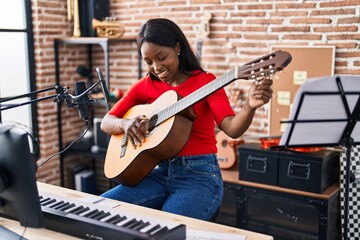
<point x="224" y="143"/>
<point x="152" y="122"/>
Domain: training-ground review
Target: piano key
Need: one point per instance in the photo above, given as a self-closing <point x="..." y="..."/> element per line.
<point x="153" y="228"/>
<point x="101" y="216"/>
<point x="145" y="224"/>
<point x="68" y="207"/>
<point x="61" y="205"/>
<point x="135" y="224"/>
<point x="123" y="221"/>
<point x="160" y="230"/>
<point x="118" y="220"/>
<point x="82" y="211"/>
<point x="55" y="204"/>
<point x="113" y="218"/>
<point x="48" y="202"/>
<point x="99" y="212"/>
<point x="90" y="213"/>
<point x="44" y="200"/>
<point x="105" y="219"/>
<point x="129" y="223"/>
<point x="75" y="209"/>
<point x="146" y="228"/>
<point x="83" y="219"/>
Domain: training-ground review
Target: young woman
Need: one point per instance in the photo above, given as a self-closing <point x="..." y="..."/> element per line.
<point x="189" y="184"/>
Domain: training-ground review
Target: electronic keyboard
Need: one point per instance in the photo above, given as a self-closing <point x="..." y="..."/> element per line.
<point x="93" y="221"/>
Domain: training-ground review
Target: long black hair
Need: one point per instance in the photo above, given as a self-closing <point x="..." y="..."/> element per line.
<point x="164" y="32"/>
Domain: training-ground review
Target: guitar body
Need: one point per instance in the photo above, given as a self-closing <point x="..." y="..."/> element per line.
<point x="226" y="154"/>
<point x="163" y="142"/>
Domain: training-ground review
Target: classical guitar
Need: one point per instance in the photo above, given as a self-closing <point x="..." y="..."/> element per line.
<point x="170" y="122"/>
<point x="226" y="146"/>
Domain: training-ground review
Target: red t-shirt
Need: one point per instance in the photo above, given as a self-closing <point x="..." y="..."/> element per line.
<point x="210" y="110"/>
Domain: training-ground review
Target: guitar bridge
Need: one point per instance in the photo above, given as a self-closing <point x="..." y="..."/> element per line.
<point x="124" y="142"/>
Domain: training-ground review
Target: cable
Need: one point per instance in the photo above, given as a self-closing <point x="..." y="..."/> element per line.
<point x="22" y="235"/>
<point x="56" y="154"/>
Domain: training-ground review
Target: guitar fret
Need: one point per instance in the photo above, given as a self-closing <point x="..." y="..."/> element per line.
<point x="197" y="95"/>
<point x="201" y="93"/>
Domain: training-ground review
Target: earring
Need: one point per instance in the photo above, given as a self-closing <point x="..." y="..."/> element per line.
<point x="178" y="53"/>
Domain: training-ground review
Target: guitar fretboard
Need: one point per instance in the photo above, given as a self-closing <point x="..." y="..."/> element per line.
<point x="197" y="95"/>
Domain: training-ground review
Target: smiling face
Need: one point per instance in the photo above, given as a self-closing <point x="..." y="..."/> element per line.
<point x="163" y="62"/>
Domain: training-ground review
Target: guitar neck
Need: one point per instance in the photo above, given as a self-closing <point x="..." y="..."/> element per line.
<point x="198" y="95"/>
<point x="257" y="68"/>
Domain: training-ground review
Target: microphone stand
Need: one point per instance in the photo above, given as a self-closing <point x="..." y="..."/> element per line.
<point x="61" y="95"/>
<point x="59" y="90"/>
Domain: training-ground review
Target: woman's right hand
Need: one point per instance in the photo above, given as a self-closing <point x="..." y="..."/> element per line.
<point x="136" y="129"/>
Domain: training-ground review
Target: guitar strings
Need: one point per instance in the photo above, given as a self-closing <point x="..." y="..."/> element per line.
<point x="208" y="89"/>
<point x="188" y="101"/>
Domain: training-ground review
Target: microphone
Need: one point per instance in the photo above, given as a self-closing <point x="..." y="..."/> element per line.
<point x="103" y="86"/>
<point x="83" y="71"/>
<point x="82" y="103"/>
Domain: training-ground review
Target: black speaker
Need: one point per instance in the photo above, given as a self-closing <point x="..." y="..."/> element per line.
<point x="89" y="9"/>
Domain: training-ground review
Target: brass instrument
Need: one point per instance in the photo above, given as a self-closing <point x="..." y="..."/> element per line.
<point x="108" y="28"/>
<point x="77" y="32"/>
<point x="70" y="9"/>
<point x="73" y="14"/>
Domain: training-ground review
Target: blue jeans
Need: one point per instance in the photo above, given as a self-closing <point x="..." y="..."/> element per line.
<point x="190" y="186"/>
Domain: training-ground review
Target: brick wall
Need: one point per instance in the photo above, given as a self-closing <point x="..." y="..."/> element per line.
<point x="240" y="30"/>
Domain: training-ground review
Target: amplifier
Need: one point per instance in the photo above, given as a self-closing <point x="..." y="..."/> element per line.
<point x="288" y="216"/>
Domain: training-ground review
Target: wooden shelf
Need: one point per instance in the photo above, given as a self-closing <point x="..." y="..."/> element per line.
<point x="232" y="176"/>
<point x="94" y="40"/>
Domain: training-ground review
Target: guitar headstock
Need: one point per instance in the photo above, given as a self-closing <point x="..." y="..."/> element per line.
<point x="264" y="66"/>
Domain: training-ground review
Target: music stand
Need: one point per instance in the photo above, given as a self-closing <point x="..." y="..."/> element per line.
<point x="326" y="112"/>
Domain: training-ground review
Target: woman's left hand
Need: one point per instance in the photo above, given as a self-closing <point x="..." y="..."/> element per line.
<point x="260" y="93"/>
